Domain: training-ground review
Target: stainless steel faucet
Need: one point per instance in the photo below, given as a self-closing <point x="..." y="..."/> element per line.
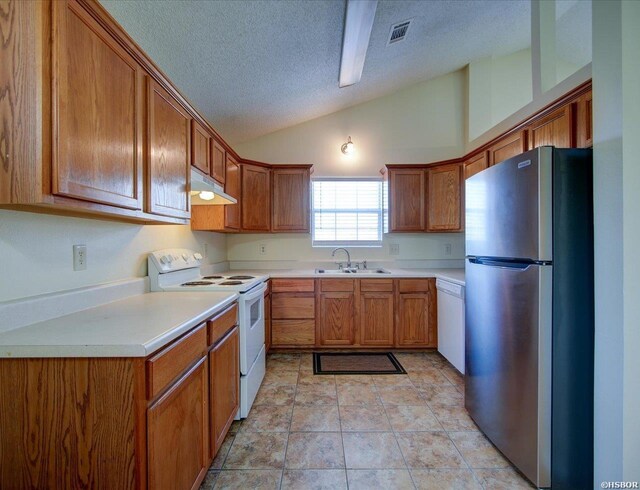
<point x="333" y="254"/>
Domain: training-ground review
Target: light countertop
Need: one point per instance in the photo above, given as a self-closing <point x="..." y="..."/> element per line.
<point x="452" y="275"/>
<point x="132" y="327"/>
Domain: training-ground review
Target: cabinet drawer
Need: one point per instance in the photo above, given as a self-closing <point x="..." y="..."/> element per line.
<point x="288" y="306"/>
<point x="376" y="285"/>
<point x="172" y="361"/>
<point x="336" y="285"/>
<point x="222" y="323"/>
<point x="414" y="285"/>
<point x="293" y="332"/>
<point x="292" y="286"/>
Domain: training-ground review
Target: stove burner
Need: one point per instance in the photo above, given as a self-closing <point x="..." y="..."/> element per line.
<point x="213" y="277"/>
<point x="196" y="283"/>
<point x="230" y="283"/>
<point x="242" y="278"/>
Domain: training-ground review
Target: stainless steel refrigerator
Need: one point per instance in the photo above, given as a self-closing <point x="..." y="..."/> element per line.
<point x="529" y="312"/>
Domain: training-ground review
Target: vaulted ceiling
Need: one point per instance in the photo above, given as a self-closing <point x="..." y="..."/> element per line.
<point x="255" y="66"/>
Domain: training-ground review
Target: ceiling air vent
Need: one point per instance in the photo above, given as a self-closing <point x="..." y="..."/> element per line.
<point x="398" y="32"/>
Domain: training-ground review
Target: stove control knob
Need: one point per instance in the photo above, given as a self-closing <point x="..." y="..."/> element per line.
<point x="166" y="259"/>
<point x="185" y="257"/>
<point x="197" y="256"/>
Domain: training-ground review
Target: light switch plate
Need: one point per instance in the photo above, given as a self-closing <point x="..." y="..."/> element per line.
<point x="447" y="249"/>
<point x="394" y="249"/>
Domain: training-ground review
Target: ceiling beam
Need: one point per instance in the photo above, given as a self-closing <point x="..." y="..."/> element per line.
<point x="355" y="40"/>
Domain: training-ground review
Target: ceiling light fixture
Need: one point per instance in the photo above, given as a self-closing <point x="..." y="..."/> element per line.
<point x="355" y="40"/>
<point x="347" y="148"/>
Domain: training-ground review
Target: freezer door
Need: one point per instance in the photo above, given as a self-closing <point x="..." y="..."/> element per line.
<point x="508" y="208"/>
<point x="508" y="361"/>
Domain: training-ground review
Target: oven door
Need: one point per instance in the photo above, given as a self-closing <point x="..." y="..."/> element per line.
<point x="251" y="313"/>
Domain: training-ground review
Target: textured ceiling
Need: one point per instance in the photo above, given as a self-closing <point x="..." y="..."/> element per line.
<point x="253" y="67"/>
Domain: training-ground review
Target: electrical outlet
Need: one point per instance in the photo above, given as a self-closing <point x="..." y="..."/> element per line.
<point x="205" y="251"/>
<point x="447" y="249"/>
<point x="394" y="249"/>
<point x="79" y="257"/>
<point x="262" y="249"/>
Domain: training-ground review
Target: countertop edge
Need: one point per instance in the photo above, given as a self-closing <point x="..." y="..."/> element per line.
<point x="124" y="350"/>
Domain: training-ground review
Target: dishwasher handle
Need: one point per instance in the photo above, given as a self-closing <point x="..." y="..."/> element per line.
<point x="450" y="288"/>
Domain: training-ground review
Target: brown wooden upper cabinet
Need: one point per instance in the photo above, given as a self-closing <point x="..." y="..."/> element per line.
<point x="554" y="129"/>
<point x="584" y="121"/>
<point x="291" y="199"/>
<point x="444" y="198"/>
<point x="511" y="145"/>
<point x="218" y="161"/>
<point x="169" y="154"/>
<point x="406" y="199"/>
<point x="233" y="188"/>
<point x="97" y="100"/>
<point x="476" y="164"/>
<point x="255" y="195"/>
<point x="200" y="148"/>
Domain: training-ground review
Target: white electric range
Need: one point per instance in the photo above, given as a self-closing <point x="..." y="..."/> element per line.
<point x="179" y="270"/>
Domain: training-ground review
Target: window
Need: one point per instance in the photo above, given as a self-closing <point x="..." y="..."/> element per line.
<point x="348" y="212"/>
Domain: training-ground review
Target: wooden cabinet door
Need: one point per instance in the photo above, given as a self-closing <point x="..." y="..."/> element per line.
<point x="177" y="446"/>
<point x="336" y="319"/>
<point x="200" y="148"/>
<point x="291" y="200"/>
<point x="507" y="147"/>
<point x="169" y="154"/>
<point x="224" y="379"/>
<point x="444" y="196"/>
<point x="476" y="164"/>
<point x="218" y="161"/>
<point x="416" y="323"/>
<point x="232" y="187"/>
<point x="98" y="113"/>
<point x="256" y="198"/>
<point x="406" y="200"/>
<point x="555" y="129"/>
<point x="376" y="319"/>
<point x="584" y="121"/>
<point x="267" y="322"/>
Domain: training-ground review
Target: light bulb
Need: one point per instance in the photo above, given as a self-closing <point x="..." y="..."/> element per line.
<point x="207" y="195"/>
<point x="347" y="148"/>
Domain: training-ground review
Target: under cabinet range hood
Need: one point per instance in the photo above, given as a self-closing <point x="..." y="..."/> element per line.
<point x="206" y="191"/>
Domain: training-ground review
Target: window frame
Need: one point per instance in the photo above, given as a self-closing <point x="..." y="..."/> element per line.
<point x="382" y="221"/>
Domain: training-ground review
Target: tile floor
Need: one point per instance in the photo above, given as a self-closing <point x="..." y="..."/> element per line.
<point x="360" y="432"/>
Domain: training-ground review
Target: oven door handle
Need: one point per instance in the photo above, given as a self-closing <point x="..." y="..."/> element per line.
<point x="255" y="293"/>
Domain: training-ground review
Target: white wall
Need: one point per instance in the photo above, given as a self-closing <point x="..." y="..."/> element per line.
<point x="422" y="123"/>
<point x="292" y="247"/>
<point x="498" y="87"/>
<point x="36" y="251"/>
<point x="616" y="98"/>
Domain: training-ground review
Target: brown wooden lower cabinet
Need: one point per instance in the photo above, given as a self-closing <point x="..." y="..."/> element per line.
<point x="376" y="319"/>
<point x="267" y="322"/>
<point x="348" y="313"/>
<point x="224" y="382"/>
<point x="125" y="423"/>
<point x="336" y="323"/>
<point x="416" y="315"/>
<point x="177" y="439"/>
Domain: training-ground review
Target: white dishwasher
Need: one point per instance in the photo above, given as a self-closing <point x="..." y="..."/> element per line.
<point x="451" y="322"/>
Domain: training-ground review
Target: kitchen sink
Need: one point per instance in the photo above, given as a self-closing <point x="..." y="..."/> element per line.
<point x="352" y="271"/>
